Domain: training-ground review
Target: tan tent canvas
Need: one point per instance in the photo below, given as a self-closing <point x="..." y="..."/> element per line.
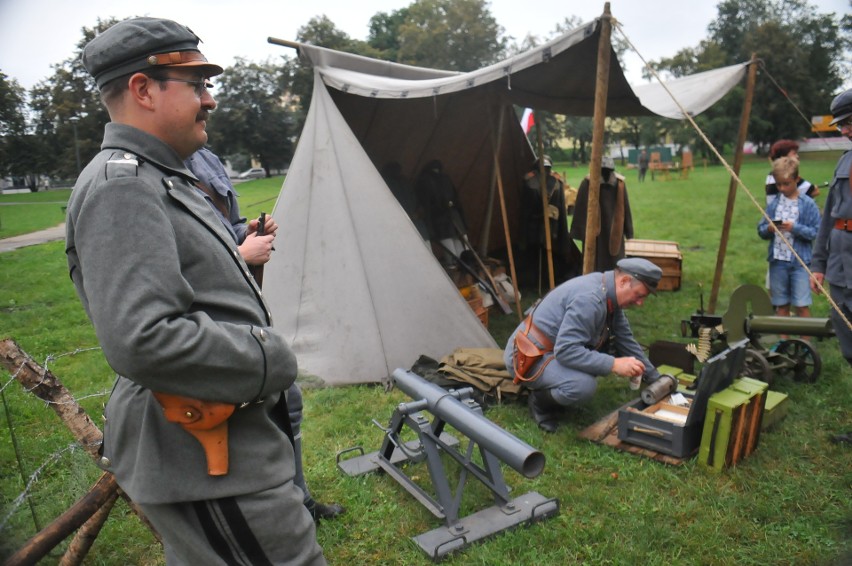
<point x="352" y="283"/>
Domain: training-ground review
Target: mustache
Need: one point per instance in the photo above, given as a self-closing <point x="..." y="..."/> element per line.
<point x="203" y="115"/>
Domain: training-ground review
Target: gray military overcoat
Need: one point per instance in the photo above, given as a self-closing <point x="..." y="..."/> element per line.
<point x="175" y="310"/>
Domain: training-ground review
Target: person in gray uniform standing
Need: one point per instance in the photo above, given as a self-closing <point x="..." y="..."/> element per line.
<point x="196" y="430"/>
<point x="832" y="261"/>
<point x="583" y="330"/>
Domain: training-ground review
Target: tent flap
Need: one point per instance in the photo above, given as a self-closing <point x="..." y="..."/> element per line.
<point x="352" y="283"/>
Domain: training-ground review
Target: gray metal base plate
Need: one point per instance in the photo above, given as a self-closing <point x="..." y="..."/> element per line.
<point x="367" y="463"/>
<point x="527" y="508"/>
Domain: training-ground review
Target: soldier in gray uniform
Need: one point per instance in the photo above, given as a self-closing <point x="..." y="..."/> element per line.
<point x="179" y="316"/>
<point x="584" y="319"/>
<point x="832" y="261"/>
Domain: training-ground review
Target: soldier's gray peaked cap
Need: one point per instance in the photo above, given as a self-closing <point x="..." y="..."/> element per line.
<point x="143" y="44"/>
<point x="643" y="270"/>
<point x="841" y="106"/>
<point x="607" y="162"/>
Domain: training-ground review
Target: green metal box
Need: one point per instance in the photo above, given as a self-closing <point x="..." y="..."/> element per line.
<point x="733" y="423"/>
<point x="777" y="405"/>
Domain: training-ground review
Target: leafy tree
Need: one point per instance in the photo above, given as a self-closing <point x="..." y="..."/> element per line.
<point x="12" y="126"/>
<point x="250" y="118"/>
<point x="70" y="93"/>
<point x="456" y="35"/>
<point x="384" y="33"/>
<point x="800" y="50"/>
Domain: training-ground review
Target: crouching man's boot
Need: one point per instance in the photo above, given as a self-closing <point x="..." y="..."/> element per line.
<point x="544" y="409"/>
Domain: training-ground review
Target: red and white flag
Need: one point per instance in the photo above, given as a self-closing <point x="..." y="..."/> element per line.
<point x="527" y="120"/>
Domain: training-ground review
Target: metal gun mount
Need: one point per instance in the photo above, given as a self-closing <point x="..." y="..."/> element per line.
<point x="457" y="409"/>
<point x="751" y="315"/>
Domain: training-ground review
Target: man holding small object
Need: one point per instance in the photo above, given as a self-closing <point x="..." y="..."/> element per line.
<point x="255" y="239"/>
<point x="577" y="325"/>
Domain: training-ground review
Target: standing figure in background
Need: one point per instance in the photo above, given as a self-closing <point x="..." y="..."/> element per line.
<point x="797" y="217"/>
<point x="532" y="232"/>
<point x="784" y="148"/>
<point x="616" y="221"/>
<point x="643" y="165"/>
<point x="444" y="212"/>
<point x="405" y="194"/>
<point x="216" y="187"/>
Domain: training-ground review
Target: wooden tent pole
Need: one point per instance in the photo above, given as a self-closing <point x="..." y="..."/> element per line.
<point x="593" y="211"/>
<point x="485" y="233"/>
<point x="545" y="202"/>
<point x="732" y="189"/>
<point x="505" y="215"/>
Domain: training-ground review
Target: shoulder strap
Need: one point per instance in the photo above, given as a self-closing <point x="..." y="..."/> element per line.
<point x="121" y="164"/>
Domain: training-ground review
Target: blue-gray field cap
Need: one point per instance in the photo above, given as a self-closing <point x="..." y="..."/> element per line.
<point x="841" y="107"/>
<point x="643" y="270"/>
<point x="142" y="44"/>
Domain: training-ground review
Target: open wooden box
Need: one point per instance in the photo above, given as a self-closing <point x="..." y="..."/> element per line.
<point x="676" y="430"/>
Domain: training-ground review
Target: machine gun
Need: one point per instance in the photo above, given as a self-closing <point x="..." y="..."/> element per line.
<point x="751" y="315"/>
<point x="457" y="409"/>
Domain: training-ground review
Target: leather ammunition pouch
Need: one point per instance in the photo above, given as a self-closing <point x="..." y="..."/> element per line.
<point x="527" y="353"/>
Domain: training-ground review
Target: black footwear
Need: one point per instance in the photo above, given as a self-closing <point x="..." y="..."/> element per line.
<point x="324" y="511"/>
<point x="544" y="409"/>
<point x="838" y="438"/>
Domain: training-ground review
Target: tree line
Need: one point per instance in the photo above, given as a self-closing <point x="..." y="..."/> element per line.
<point x="804" y="58"/>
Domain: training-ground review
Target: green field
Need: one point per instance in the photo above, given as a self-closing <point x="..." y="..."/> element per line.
<point x="789" y="503"/>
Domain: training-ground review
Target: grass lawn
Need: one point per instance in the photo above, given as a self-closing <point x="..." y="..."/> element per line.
<point x="789" y="503"/>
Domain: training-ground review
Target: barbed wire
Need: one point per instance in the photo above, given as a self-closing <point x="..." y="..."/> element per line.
<point x="51" y="358"/>
<point x="34" y="477"/>
<point x="19" y="500"/>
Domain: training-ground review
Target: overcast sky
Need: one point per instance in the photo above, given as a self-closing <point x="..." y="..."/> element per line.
<point x="36" y="34"/>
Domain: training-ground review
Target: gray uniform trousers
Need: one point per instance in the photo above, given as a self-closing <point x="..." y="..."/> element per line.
<point x="236" y="530"/>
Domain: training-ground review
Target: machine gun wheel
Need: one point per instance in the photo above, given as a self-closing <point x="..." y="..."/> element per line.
<point x="757" y="367"/>
<point x="805" y="363"/>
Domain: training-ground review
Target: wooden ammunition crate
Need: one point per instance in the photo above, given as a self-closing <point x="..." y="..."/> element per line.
<point x="666" y="255"/>
<point x="474" y="300"/>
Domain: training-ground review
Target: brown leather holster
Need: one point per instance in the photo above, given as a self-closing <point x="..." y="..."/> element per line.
<point x="207" y="421"/>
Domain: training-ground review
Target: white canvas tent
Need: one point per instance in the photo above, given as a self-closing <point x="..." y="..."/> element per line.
<point x="352" y="283"/>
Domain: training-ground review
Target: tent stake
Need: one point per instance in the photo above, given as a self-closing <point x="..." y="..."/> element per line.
<point x="732" y="190"/>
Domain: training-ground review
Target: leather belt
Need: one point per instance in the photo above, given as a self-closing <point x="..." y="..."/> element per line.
<point x="843" y="224"/>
